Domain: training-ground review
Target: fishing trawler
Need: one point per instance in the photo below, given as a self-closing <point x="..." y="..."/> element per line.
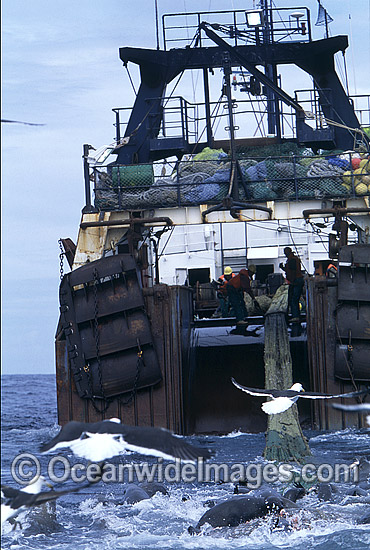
<point x="228" y="177"/>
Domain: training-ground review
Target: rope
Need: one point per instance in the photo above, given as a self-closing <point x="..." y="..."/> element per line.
<point x="129" y="76"/>
<point x="166" y="243"/>
<point x="320" y="119"/>
<point x="216" y="108"/>
<point x="317" y="232"/>
<point x="345" y="71"/>
<point x="296" y="249"/>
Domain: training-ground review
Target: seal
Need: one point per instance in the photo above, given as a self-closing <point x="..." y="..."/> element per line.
<point x="133" y="494"/>
<point x="154" y="487"/>
<point x="237" y="510"/>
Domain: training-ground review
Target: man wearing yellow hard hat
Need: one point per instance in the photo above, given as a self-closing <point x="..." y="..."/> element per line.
<point x="221" y="294"/>
<point x="235" y="289"/>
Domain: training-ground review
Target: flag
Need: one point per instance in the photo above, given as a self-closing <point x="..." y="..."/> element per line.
<point x="323" y="18"/>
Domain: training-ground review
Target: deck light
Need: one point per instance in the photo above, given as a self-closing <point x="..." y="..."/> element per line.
<point x="254" y="18"/>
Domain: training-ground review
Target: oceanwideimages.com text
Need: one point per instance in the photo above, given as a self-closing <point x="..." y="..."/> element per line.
<point x="26" y="467"/>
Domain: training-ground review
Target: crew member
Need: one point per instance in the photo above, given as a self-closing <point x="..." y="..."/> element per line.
<point x="331" y="271"/>
<point x="294" y="276"/>
<point x="235" y="291"/>
<point x="222" y="293"/>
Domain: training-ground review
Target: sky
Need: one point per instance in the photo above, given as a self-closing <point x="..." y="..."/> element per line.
<point x="61" y="69"/>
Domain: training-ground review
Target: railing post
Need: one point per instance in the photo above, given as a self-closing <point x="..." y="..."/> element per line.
<point x="119" y="187"/>
<point x="353" y="189"/>
<point x="88" y="208"/>
<point x="118" y="127"/>
<point x="295" y="177"/>
<point x="178" y="184"/>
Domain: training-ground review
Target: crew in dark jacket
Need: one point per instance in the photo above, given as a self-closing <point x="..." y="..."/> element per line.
<point x="294" y="276"/>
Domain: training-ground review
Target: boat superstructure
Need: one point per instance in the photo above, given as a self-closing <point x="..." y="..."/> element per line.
<point x="230" y="176"/>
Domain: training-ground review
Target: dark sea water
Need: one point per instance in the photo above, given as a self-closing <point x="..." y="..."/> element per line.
<point x="90" y="519"/>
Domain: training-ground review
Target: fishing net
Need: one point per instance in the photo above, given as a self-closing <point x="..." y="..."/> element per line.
<point x="281" y="172"/>
<point x="263" y="301"/>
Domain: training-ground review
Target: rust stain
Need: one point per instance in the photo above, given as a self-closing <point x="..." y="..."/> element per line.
<point x="137" y="325"/>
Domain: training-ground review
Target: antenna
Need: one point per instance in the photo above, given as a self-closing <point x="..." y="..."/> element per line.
<point x="156" y="22"/>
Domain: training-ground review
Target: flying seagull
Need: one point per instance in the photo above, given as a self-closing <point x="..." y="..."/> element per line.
<point x="282" y="400"/>
<point x="7" y="121"/>
<point x="15" y="501"/>
<point x="363" y="407"/>
<point x="98" y="441"/>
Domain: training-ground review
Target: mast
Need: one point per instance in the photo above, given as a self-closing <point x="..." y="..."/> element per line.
<point x="273" y="110"/>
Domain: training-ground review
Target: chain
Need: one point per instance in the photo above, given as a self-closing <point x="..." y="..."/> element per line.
<point x="61" y="257"/>
<point x="97" y="346"/>
<point x="139" y="363"/>
<point x="348" y="357"/>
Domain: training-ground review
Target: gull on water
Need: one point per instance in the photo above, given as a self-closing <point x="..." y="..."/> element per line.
<point x="98" y="441"/>
<point x="15" y="501"/>
<point x="282" y="400"/>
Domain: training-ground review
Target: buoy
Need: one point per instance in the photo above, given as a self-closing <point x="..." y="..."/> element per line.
<point x="347" y="177"/>
<point x="356" y="163"/>
<point x="365" y="165"/>
<point x="361" y="189"/>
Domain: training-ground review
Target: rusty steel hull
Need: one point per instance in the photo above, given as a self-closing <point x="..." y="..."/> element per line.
<point x="169" y="310"/>
<point x="197" y="360"/>
<point x="331" y="370"/>
<point x="195" y="394"/>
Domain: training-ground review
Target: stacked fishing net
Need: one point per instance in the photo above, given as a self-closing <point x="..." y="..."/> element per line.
<point x="196" y="180"/>
<point x="290" y="173"/>
<point x="276" y="172"/>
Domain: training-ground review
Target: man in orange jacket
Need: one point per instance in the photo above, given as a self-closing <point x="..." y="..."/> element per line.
<point x="235" y="289"/>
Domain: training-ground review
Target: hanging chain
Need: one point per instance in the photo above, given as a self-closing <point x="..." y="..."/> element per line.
<point x="97" y="347"/>
<point x="139" y="363"/>
<point x="348" y="356"/>
<point x="61" y="258"/>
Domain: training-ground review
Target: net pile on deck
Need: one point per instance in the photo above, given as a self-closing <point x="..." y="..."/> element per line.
<point x="272" y="173"/>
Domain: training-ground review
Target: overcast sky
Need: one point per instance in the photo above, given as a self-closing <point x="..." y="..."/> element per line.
<point x="61" y="69"/>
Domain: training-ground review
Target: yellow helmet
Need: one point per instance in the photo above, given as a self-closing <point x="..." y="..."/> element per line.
<point x="228" y="270"/>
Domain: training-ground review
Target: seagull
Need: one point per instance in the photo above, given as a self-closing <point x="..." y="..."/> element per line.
<point x="354" y="408"/>
<point x="98" y="441"/>
<point x="16" y="501"/>
<point x="282" y="400"/>
<point x="7" y="121"/>
<point x="11" y="505"/>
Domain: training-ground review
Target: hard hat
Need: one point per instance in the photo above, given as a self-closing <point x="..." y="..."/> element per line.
<point x="252" y="268"/>
<point x="228" y="270"/>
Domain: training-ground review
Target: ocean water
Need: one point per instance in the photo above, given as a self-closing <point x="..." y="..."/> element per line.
<point x="91" y="519"/>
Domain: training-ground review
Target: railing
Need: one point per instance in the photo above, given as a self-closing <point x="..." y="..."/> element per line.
<point x="361" y="104"/>
<point x="286" y="24"/>
<point x="188" y="120"/>
<point x="204" y="180"/>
